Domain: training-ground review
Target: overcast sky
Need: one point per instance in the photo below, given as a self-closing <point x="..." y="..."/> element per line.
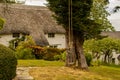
<point x="114" y="17"/>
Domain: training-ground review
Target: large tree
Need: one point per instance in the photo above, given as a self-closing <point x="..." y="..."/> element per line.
<point x="75" y="17"/>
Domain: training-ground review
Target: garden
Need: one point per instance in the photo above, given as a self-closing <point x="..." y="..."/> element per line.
<point x="49" y="63"/>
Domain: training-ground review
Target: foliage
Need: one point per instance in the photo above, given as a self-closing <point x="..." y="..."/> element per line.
<point x="61" y="57"/>
<point x="89" y="16"/>
<point x="99" y="15"/>
<point x="1" y="23"/>
<point x="89" y="58"/>
<point x="23" y="50"/>
<point x="16" y="40"/>
<point x="104" y="46"/>
<point x="8" y="63"/>
<point x="95" y="63"/>
<point x="25" y="54"/>
<point x="51" y="53"/>
<point x="47" y="53"/>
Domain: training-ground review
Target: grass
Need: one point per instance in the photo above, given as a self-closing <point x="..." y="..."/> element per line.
<point x="55" y="70"/>
<point x="39" y="63"/>
<point x="111" y="72"/>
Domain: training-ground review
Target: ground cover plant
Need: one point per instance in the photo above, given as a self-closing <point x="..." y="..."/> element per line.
<point x="55" y="70"/>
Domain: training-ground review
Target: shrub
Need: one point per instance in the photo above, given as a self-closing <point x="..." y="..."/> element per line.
<point x="8" y="63"/>
<point x="57" y="57"/>
<point x="25" y="54"/>
<point x="89" y="58"/>
<point x="52" y="53"/>
<point x="23" y="50"/>
<point x="95" y="63"/>
<point x="63" y="56"/>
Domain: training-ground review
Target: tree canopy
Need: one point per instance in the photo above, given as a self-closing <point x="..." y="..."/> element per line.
<point x="89" y="17"/>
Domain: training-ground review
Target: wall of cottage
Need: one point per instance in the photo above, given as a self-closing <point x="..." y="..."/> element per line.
<point x="58" y="40"/>
<point x="4" y="39"/>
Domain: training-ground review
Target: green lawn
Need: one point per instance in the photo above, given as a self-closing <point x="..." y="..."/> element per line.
<point x="39" y="63"/>
<point x="112" y="73"/>
<point x="55" y="70"/>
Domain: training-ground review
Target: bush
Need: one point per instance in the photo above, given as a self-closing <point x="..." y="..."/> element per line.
<point x="96" y="63"/>
<point x="63" y="56"/>
<point x="8" y="63"/>
<point x="51" y="54"/>
<point x="23" y="50"/>
<point x="57" y="57"/>
<point x="89" y="58"/>
<point x="25" y="54"/>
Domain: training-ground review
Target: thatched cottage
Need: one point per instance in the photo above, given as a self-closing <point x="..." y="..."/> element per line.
<point x="35" y="21"/>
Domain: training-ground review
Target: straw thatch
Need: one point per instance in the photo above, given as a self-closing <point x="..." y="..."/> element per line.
<point x="33" y="20"/>
<point x="115" y="34"/>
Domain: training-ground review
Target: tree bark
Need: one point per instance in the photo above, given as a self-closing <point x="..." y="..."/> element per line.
<point x="105" y="58"/>
<point x="70" y="56"/>
<point x="82" y="64"/>
<point x="75" y="55"/>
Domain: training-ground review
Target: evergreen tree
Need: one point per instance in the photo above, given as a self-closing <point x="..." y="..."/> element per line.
<point x="75" y="17"/>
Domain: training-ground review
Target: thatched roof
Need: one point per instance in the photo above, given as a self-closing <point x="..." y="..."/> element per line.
<point x="115" y="34"/>
<point x="33" y="20"/>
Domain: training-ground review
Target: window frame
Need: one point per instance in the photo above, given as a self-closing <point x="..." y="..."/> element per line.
<point x="51" y="35"/>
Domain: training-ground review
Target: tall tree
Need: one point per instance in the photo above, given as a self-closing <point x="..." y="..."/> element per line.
<point x="74" y="16"/>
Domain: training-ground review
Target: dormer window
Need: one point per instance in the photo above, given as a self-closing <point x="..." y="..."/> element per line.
<point x="51" y="35"/>
<point x="16" y="35"/>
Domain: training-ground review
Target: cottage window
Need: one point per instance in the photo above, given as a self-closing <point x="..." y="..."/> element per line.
<point x="16" y="34"/>
<point x="51" y="35"/>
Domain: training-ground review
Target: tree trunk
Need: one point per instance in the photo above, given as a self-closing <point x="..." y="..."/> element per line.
<point x="82" y="64"/>
<point x="70" y="56"/>
<point x="105" y="58"/>
<point x="75" y="55"/>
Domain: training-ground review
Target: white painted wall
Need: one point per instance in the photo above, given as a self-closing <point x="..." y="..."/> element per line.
<point x="115" y="56"/>
<point x="59" y="40"/>
<point x="36" y="2"/>
<point x="4" y="39"/>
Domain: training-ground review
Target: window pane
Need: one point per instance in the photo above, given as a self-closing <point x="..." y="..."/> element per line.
<point x="16" y="34"/>
<point x="51" y="35"/>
